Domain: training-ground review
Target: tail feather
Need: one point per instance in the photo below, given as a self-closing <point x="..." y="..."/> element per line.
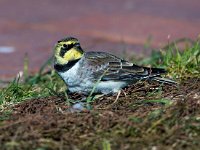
<point x="164" y="80"/>
<point x="156" y="70"/>
<point x="155" y="75"/>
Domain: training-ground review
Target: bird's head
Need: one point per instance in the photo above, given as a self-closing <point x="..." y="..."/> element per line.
<point x="66" y="50"/>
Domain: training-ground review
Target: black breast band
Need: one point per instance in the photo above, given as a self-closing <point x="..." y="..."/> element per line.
<point x="65" y="67"/>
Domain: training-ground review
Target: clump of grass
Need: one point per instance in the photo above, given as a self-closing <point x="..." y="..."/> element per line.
<point x="180" y="63"/>
<point x="42" y="84"/>
<point x="18" y="91"/>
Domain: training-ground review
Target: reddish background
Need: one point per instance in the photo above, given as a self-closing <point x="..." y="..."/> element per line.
<point x="33" y="27"/>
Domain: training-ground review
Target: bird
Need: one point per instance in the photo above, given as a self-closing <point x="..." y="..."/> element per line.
<point x="98" y="72"/>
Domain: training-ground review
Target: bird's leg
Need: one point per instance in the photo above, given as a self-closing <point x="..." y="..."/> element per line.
<point x="118" y="94"/>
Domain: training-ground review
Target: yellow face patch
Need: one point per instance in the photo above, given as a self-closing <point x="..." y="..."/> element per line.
<point x="61" y="44"/>
<point x="72" y="54"/>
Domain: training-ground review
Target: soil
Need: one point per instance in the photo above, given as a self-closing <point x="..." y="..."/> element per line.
<point x="129" y="122"/>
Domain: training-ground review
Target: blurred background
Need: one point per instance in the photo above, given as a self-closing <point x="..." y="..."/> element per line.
<point x="117" y="26"/>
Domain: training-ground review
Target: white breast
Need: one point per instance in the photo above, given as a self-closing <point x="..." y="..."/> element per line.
<point x="76" y="80"/>
<point x="71" y="77"/>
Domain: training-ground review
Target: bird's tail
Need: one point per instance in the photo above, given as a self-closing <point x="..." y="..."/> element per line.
<point x="154" y="71"/>
<point x="155" y="75"/>
<point x="164" y="80"/>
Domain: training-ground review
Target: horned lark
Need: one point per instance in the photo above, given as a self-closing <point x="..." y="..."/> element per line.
<point x="98" y="71"/>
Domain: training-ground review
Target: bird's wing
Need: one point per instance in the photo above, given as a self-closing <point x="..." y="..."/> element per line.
<point x="110" y="67"/>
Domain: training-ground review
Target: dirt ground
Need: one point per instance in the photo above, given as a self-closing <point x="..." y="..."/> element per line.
<point x="134" y="121"/>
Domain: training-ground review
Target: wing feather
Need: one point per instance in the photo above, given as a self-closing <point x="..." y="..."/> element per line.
<point x="114" y="68"/>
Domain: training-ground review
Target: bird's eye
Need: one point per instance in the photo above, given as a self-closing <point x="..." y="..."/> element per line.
<point x="62" y="52"/>
<point x="65" y="45"/>
<point x="65" y="48"/>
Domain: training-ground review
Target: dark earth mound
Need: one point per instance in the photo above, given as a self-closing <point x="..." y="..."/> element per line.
<point x="145" y="116"/>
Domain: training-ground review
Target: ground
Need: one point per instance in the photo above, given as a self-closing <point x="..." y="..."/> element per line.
<point x="146" y="116"/>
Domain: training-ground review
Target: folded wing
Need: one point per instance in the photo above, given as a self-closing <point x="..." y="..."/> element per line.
<point x="109" y="67"/>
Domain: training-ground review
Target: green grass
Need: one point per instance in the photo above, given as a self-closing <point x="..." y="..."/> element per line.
<point x="180" y="63"/>
<point x="37" y="86"/>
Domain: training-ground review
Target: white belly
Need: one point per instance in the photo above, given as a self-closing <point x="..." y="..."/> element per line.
<point x="110" y="86"/>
